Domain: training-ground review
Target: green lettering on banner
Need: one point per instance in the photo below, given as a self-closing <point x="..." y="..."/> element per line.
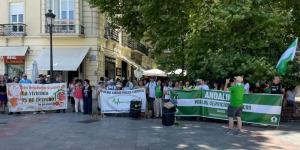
<point x="258" y="108"/>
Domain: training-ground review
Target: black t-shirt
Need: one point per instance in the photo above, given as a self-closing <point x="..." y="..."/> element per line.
<point x="3" y="89"/>
<point x="276" y="89"/>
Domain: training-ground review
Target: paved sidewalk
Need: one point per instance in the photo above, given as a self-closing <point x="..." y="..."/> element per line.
<point x="72" y="131"/>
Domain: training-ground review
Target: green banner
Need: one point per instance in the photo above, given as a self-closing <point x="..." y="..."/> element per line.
<point x="258" y="108"/>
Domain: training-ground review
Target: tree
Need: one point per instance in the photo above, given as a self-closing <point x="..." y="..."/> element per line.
<point x="163" y="25"/>
<point x="212" y="39"/>
<point x="227" y="34"/>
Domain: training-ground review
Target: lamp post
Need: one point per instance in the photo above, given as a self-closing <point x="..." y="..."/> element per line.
<point x="49" y="20"/>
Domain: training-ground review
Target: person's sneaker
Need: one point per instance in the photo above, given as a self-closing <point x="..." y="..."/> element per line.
<point x="238" y="133"/>
<point x="18" y="113"/>
<point x="43" y="112"/>
<point x="35" y="113"/>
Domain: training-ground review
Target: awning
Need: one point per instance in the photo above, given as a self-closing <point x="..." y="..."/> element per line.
<point x="64" y="59"/>
<point x="130" y="62"/>
<point x="13" y="51"/>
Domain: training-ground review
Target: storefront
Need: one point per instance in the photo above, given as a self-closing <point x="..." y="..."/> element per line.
<point x="14" y="65"/>
<point x="13" y="59"/>
<point x="68" y="62"/>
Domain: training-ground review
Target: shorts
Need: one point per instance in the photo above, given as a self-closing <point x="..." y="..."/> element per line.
<point x="3" y="98"/>
<point x="234" y="112"/>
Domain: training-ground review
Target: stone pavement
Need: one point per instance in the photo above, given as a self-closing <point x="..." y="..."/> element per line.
<point x="71" y="131"/>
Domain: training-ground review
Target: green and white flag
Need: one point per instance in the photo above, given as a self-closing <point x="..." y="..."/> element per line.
<point x="262" y="109"/>
<point x="287" y="56"/>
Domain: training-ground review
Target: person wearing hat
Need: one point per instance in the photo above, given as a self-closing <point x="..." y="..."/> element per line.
<point x="235" y="107"/>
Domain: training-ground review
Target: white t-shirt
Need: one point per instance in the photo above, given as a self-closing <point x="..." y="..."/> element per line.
<point x="290" y="96"/>
<point x="151" y="87"/>
<point x="202" y="87"/>
<point x="167" y="90"/>
<point x="247" y="87"/>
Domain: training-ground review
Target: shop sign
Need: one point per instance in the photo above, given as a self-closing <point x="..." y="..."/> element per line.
<point x="14" y="59"/>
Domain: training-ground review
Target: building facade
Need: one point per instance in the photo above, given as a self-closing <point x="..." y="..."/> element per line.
<point x="84" y="45"/>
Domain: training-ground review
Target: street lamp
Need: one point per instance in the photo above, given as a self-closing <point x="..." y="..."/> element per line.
<point x="49" y="20"/>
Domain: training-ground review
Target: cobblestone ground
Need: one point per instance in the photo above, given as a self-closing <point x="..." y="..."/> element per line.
<point x="70" y="131"/>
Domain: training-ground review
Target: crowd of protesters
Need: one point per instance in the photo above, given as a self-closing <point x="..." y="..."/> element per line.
<point x="80" y="92"/>
<point x="157" y="90"/>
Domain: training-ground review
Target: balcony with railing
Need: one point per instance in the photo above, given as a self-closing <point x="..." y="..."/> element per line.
<point x="111" y="33"/>
<point x="133" y="44"/>
<point x="68" y="29"/>
<point x="12" y="29"/>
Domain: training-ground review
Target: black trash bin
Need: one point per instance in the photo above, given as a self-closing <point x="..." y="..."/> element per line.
<point x="135" y="109"/>
<point x="168" y="116"/>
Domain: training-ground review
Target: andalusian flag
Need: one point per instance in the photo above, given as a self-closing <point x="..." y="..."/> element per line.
<point x="287" y="56"/>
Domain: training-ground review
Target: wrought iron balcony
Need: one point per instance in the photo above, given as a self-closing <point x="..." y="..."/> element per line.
<point x="17" y="29"/>
<point x="111" y="33"/>
<point x="133" y="44"/>
<point x="66" y="28"/>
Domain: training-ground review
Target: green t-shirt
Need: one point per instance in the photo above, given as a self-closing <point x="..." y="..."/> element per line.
<point x="237" y="95"/>
<point x="158" y="91"/>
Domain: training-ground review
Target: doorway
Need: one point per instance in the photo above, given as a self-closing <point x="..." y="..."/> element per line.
<point x="110" y="68"/>
<point x="124" y="70"/>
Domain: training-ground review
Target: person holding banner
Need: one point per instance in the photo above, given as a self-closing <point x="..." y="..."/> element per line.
<point x="236" y="104"/>
<point x="167" y="90"/>
<point x="276" y="87"/>
<point x="101" y="87"/>
<point x="58" y="79"/>
<point x="25" y="80"/>
<point x="15" y="80"/>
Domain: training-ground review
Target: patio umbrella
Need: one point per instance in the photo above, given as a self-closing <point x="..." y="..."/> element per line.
<point x="35" y="71"/>
<point x="177" y="72"/>
<point x="154" y="73"/>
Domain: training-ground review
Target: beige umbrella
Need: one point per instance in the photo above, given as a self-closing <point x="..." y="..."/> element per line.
<point x="154" y="73"/>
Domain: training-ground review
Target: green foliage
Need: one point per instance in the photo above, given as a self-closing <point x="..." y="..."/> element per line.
<point x="212" y="39"/>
